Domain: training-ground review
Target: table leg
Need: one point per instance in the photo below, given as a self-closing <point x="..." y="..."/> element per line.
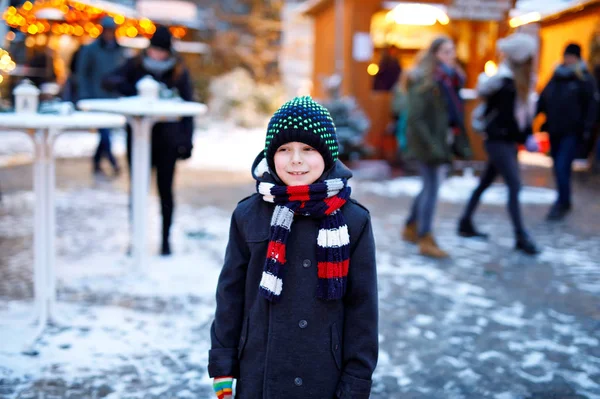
<point x="40" y="241"/>
<point x="50" y="186"/>
<point x="141" y="130"/>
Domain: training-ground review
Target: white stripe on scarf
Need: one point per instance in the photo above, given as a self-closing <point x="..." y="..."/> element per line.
<point x="333" y="238"/>
<point x="334" y="186"/>
<point x="282" y="216"/>
<point x="271" y="283"/>
<point x="264" y="189"/>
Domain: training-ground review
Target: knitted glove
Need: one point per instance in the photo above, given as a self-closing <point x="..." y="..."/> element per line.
<point x="223" y="387"/>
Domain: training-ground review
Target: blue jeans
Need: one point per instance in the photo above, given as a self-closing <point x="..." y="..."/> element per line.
<point x="563" y="150"/>
<point x="104" y="149"/>
<point x="423" y="207"/>
<point x="502" y="160"/>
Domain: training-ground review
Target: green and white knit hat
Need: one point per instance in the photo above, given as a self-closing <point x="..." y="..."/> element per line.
<point x="303" y="120"/>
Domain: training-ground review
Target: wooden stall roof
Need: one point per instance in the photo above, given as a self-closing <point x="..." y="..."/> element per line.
<point x="575" y="8"/>
<point x="313" y="7"/>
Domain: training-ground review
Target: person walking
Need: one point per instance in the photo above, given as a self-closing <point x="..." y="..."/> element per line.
<point x="297" y="313"/>
<point x="170" y="140"/>
<point x="435" y="133"/>
<point x="570" y="103"/>
<point x="508" y="115"/>
<point x="94" y="61"/>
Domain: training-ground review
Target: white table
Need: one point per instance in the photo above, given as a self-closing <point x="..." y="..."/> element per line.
<point x="142" y="113"/>
<point x="44" y="129"/>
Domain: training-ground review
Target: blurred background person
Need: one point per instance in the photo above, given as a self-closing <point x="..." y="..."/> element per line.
<point x="435" y="132"/>
<point x="91" y="64"/>
<point x="170" y="140"/>
<point x="570" y="103"/>
<point x="388" y="74"/>
<point x="509" y="114"/>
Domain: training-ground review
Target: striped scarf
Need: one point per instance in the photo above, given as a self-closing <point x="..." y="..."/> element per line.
<point x="323" y="201"/>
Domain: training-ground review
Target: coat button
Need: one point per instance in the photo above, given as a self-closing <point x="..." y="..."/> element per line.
<point x="303" y="324"/>
<point x="306" y="263"/>
<point x="298" y="381"/>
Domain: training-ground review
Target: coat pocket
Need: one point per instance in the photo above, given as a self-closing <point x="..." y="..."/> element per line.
<point x="243" y="338"/>
<point x="336" y="347"/>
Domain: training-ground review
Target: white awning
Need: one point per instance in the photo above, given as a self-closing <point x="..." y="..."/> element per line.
<point x="169" y="12"/>
<point x="111" y="7"/>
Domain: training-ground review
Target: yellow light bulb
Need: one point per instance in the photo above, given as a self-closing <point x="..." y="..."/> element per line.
<point x="372" y="69"/>
<point x="490" y="68"/>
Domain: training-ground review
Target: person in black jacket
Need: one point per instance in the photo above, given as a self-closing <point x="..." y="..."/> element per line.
<point x="509" y="118"/>
<point x="170" y="141"/>
<point x="296" y="314"/>
<point x="570" y="102"/>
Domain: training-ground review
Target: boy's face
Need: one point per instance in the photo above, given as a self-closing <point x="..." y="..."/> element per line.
<point x="298" y="164"/>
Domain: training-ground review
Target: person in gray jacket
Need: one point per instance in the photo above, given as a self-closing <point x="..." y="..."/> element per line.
<point x="95" y="61"/>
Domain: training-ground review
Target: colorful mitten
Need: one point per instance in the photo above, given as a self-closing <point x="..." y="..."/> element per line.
<point x="223" y="387"/>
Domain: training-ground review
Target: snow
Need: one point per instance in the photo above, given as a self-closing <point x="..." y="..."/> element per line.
<point x="124" y="325"/>
<point x="458" y="189"/>
<point x="210" y="142"/>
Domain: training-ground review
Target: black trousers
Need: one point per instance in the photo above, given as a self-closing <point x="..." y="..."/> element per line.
<point x="502" y="160"/>
<point x="163" y="159"/>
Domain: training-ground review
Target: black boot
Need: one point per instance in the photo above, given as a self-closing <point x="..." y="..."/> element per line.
<point x="525" y="244"/>
<point x="466" y="229"/>
<point x="165" y="248"/>
<point x="557" y="212"/>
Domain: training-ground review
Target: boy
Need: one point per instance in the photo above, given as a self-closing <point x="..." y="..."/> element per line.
<point x="297" y="308"/>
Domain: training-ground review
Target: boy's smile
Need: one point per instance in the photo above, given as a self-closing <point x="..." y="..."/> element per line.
<point x="298" y="164"/>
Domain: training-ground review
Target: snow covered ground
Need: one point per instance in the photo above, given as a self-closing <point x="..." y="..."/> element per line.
<point x="488" y="323"/>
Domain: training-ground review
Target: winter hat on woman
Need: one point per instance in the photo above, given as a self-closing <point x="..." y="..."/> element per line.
<point x="162" y="38"/>
<point x="518" y="47"/>
<point x="302" y="120"/>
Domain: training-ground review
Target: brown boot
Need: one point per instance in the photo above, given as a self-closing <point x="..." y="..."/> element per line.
<point x="428" y="247"/>
<point x="410" y="233"/>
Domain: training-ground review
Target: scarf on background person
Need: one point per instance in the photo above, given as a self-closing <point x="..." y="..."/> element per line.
<point x="321" y="200"/>
<point x="451" y="82"/>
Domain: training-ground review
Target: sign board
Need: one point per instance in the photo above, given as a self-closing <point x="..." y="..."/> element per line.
<point x="362" y="47"/>
<point x="479" y="10"/>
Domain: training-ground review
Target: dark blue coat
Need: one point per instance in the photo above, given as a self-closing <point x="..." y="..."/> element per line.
<point x="570" y="102"/>
<point x="176" y="136"/>
<point x="300" y="347"/>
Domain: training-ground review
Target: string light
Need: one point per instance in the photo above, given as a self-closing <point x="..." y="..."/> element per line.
<point x="78" y="20"/>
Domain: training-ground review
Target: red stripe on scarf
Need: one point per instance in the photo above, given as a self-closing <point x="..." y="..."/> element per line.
<point x="333" y="269"/>
<point x="276" y="250"/>
<point x="298" y="193"/>
<point x="333" y="204"/>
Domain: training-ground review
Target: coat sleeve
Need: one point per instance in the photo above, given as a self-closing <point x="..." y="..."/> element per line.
<point x="226" y="328"/>
<point x="121" y="79"/>
<point x="592" y="99"/>
<point x="186" y="91"/>
<point x="541" y="103"/>
<point x="360" y="335"/>
<point x="83" y="72"/>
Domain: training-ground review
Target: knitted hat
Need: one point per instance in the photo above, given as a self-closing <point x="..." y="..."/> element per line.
<point x="573" y="49"/>
<point x="304" y="121"/>
<point x="518" y="47"/>
<point x="108" y="23"/>
<point x="161" y="38"/>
